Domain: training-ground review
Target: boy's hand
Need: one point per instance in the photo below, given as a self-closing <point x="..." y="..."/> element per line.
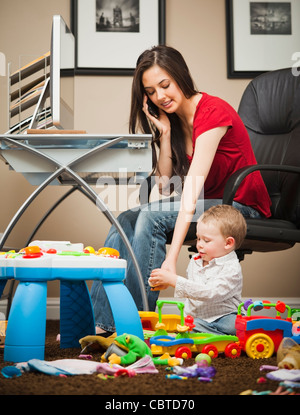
<point x="160" y="279"/>
<point x="159" y="287"/>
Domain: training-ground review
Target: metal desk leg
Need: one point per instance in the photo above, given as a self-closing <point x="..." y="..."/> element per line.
<point x="48" y="213"/>
<point x="25" y="205"/>
<point x="2" y="286"/>
<point x="56" y="204"/>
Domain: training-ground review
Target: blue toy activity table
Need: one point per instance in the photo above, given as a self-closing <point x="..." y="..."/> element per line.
<point x="26" y="328"/>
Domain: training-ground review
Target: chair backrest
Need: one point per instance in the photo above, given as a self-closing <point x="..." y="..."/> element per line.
<point x="270" y="110"/>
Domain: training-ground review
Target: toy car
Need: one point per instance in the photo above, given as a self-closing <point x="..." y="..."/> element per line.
<point x="185" y="344"/>
<point x="260" y="336"/>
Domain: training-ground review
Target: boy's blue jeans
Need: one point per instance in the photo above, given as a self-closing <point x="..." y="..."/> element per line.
<point x="146" y="228"/>
<point x="222" y="325"/>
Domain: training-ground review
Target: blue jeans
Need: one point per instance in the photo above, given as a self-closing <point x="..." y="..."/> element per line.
<point x="223" y="325"/>
<point x="146" y="228"/>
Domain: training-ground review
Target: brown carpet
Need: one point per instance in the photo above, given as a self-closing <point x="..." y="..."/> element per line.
<point x="233" y="377"/>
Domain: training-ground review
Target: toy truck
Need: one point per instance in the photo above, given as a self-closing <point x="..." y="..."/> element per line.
<point x="260" y="336"/>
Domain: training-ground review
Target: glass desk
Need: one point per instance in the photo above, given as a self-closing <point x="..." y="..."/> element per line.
<point x="77" y="160"/>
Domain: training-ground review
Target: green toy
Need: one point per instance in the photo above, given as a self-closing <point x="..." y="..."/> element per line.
<point x="133" y="345"/>
<point x="132" y="348"/>
<point x="137" y="348"/>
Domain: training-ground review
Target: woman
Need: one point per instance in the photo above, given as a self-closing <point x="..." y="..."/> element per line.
<point x="201" y="140"/>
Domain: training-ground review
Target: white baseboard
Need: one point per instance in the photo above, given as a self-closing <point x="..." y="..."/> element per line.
<point x="54" y="302"/>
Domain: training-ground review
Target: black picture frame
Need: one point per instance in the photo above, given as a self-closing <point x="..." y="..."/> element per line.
<point x="277" y="48"/>
<point x="118" y="71"/>
<point x="231" y="72"/>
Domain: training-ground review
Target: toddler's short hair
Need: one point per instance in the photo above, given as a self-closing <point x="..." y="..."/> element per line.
<point x="230" y="221"/>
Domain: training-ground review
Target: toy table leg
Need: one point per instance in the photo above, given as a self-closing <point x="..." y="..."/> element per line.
<point x="76" y="313"/>
<point x="26" y="326"/>
<point x="124" y="311"/>
<point x="2" y="286"/>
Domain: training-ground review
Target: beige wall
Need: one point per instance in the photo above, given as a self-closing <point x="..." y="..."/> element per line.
<point x="197" y="29"/>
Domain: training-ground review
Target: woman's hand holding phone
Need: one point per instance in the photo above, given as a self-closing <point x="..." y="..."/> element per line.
<point x="161" y="122"/>
<point x="152" y="108"/>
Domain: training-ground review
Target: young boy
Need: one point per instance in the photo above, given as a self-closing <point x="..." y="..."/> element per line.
<point x="214" y="278"/>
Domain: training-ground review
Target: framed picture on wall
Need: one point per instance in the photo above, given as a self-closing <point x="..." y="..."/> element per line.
<point x="261" y="36"/>
<point x="110" y="35"/>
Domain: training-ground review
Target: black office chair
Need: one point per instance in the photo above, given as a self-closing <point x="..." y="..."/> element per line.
<point x="270" y="110"/>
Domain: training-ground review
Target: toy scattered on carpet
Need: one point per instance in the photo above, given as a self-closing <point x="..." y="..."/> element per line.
<point x="3" y="325"/>
<point x="288" y="354"/>
<point x="96" y="344"/>
<point x="281" y="390"/>
<point x="71" y="367"/>
<point x="143" y="365"/>
<point x="124" y="349"/>
<point x="201" y="370"/>
<point x="260" y="336"/>
<point x="289" y="380"/>
<point x="11" y="372"/>
<point x="67" y="367"/>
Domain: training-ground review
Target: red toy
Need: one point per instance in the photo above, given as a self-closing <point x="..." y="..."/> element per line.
<point x="260" y="336"/>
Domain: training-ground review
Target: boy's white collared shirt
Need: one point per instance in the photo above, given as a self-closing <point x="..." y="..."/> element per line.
<point x="211" y="291"/>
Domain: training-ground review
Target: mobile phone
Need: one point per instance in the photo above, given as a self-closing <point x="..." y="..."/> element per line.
<point x="152" y="108"/>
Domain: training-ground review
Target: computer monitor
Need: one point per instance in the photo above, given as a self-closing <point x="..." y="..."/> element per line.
<point x="62" y="65"/>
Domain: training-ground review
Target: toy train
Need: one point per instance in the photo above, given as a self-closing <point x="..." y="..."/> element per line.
<point x="259" y="336"/>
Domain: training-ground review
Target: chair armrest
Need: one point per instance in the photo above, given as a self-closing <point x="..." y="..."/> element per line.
<point x="237" y="177"/>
